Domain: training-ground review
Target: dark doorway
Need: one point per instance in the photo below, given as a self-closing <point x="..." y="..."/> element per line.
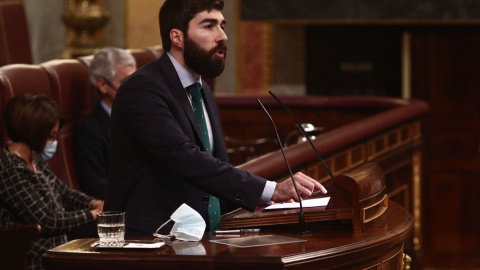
<point x="346" y="60"/>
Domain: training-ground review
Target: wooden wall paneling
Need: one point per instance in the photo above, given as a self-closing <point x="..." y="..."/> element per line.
<point x="445" y="69"/>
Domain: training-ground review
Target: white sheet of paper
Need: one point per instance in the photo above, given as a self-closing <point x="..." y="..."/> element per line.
<point x="305" y="203"/>
<point x="144" y="245"/>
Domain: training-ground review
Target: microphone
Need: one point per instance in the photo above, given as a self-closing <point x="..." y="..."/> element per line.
<point x="303" y="132"/>
<point x="301" y="219"/>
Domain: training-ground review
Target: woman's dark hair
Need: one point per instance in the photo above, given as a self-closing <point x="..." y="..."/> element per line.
<point x="30" y="118"/>
<point x="178" y="13"/>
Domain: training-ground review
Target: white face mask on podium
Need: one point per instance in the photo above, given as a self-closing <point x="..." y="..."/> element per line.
<point x="189" y="225"/>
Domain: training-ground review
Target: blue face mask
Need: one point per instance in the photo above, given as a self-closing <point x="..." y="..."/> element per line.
<point x="189" y="225"/>
<point x="48" y="151"/>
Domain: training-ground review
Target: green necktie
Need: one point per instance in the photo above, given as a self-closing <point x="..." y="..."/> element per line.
<point x="213" y="203"/>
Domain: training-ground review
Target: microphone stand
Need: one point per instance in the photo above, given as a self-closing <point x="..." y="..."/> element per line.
<point x="301" y="219"/>
<point x="303" y="132"/>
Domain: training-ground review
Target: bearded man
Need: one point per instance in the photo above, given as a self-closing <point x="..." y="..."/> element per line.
<point x="167" y="146"/>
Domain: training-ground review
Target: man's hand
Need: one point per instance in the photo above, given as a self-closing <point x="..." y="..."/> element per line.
<point x="285" y="191"/>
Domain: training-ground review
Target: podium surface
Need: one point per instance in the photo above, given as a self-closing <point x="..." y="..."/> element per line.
<point x="332" y="245"/>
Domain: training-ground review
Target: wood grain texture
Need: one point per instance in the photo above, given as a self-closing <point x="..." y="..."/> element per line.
<point x="332" y="245"/>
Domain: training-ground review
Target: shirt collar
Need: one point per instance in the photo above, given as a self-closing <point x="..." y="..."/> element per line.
<point x="106" y="108"/>
<point x="186" y="77"/>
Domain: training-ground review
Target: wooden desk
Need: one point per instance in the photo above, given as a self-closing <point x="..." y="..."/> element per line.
<point x="332" y="245"/>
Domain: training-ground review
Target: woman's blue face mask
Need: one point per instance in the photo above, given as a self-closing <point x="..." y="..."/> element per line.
<point x="48" y="151"/>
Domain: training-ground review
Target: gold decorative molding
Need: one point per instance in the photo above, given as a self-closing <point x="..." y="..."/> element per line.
<point x="375" y="210"/>
<point x="391" y="140"/>
<point x="83" y="19"/>
<point x="417" y="199"/>
<point x="407" y="260"/>
<point x="406" y="65"/>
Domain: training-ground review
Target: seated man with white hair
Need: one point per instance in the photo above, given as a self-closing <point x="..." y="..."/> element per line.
<point x="108" y="69"/>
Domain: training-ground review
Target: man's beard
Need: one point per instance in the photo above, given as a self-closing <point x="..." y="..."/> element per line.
<point x="204" y="62"/>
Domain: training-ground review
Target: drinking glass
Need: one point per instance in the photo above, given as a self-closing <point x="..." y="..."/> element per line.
<point x="111" y="228"/>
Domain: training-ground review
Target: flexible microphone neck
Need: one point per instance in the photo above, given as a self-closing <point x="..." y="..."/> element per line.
<point x="303" y="132"/>
<point x="301" y="218"/>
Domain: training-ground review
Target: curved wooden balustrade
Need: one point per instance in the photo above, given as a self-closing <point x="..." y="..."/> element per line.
<point x="358" y="130"/>
<point x="395" y="112"/>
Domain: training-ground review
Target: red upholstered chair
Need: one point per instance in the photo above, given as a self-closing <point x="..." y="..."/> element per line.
<point x="15" y="242"/>
<point x="74" y="95"/>
<point x="14" y="39"/>
<point x="85" y="59"/>
<point x="142" y="56"/>
<point x="156" y="50"/>
<point x="17" y="79"/>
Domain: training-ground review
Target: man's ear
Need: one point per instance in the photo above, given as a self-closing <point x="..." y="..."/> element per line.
<point x="176" y="36"/>
<point x="102" y="86"/>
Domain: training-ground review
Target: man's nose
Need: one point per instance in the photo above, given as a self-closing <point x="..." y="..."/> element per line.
<point x="222" y="36"/>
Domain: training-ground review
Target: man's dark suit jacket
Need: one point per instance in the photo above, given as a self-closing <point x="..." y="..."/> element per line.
<point x="92" y="150"/>
<point x="157" y="157"/>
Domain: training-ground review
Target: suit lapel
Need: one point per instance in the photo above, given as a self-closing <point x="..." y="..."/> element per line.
<point x="178" y="92"/>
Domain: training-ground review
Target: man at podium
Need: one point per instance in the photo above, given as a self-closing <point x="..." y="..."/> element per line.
<point x="167" y="146"/>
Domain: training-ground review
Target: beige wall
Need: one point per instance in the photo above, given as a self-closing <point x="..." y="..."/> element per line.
<point x="47" y="32"/>
<point x="141" y="23"/>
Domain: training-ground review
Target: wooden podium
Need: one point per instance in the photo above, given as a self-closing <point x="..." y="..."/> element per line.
<point x="376" y="242"/>
<point x="358" y="196"/>
<point x="332" y="245"/>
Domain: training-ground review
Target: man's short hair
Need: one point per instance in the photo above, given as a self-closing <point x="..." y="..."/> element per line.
<point x="30" y="118"/>
<point x="178" y="13"/>
<point x="106" y="60"/>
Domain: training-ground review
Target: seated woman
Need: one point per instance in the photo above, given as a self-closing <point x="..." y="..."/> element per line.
<point x="29" y="192"/>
